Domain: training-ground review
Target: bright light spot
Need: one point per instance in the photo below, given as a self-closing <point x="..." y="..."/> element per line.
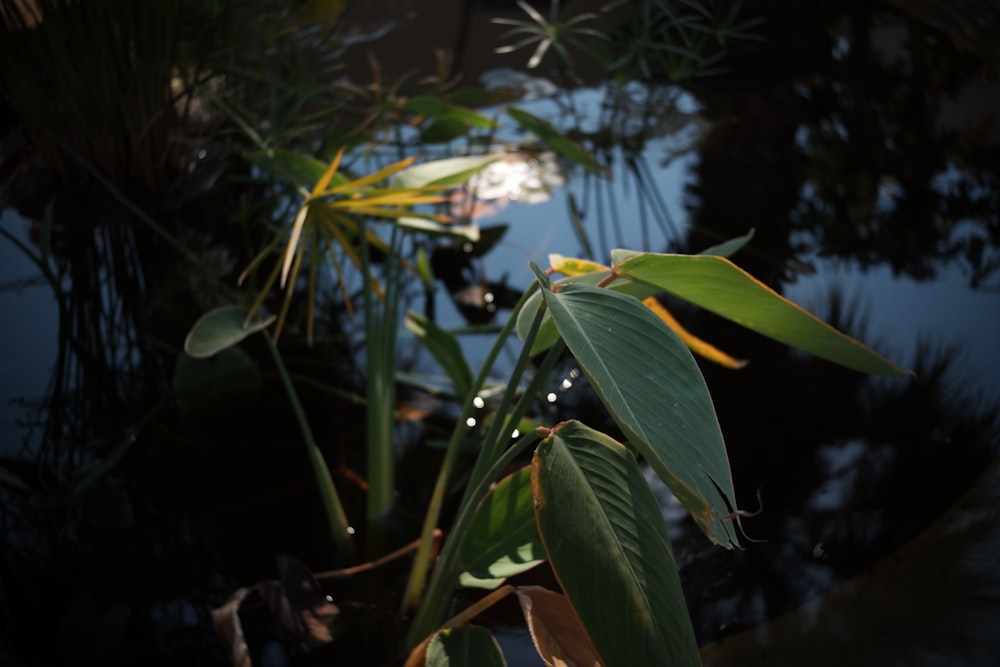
<point x="470" y="422"/>
<point x="551" y="398"/>
<point x="350" y="530"/>
<point x="515" y="434"/>
<point x="467" y="247"/>
<point x="479" y="402"/>
<point x="566" y="384"/>
<point x="488" y="297"/>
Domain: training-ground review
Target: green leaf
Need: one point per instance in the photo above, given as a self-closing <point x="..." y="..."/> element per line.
<point x="445" y="350"/>
<point x="547" y="333"/>
<point x="718" y="285"/>
<point x="550" y="136"/>
<point x="605" y="538"/>
<point x="442" y="173"/>
<point x="651" y="385"/>
<point x="221" y="328"/>
<point x="502" y="539"/>
<point x="467" y="646"/>
<point x="432" y="106"/>
<point x="470" y="232"/>
<point x="296" y="168"/>
<point x="730" y="247"/>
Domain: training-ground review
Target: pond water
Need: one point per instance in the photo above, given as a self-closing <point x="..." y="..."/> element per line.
<point x="861" y="146"/>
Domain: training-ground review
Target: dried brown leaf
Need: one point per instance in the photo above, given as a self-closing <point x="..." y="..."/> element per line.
<point x="555" y="629"/>
<point x="227" y="624"/>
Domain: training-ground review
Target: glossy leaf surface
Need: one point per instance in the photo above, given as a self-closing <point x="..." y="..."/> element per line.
<point x="656" y="394"/>
<point x="719" y="286"/>
<point x="221" y="328"/>
<point x="606" y="541"/>
<point x="502" y="539"/>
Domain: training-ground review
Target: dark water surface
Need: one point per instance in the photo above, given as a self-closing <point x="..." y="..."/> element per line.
<point x="862" y="146"/>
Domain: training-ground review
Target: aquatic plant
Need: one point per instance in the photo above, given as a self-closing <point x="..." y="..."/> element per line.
<point x="582" y="504"/>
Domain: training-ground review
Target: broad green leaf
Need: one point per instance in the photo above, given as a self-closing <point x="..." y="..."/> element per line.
<point x="555" y="629"/>
<point x="221" y="328"/>
<point x="718" y="285"/>
<point x="502" y="539"/>
<point x="443" y="173"/>
<point x="561" y="144"/>
<point x="445" y="350"/>
<point x="652" y="387"/>
<point x="433" y="106"/>
<point x="301" y="170"/>
<point x="730" y="247"/>
<point x="547" y="333"/>
<point x="467" y="646"/>
<point x="604" y="535"/>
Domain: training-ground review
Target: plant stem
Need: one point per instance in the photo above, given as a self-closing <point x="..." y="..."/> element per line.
<point x="418" y="575"/>
<point x="432" y="605"/>
<point x="336" y="518"/>
<point x="380" y="334"/>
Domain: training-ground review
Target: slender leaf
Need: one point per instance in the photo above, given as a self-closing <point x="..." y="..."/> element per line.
<point x="443" y="173"/>
<point x="296" y="168"/>
<point x="605" y="538"/>
<point x="502" y="539"/>
<point x="433" y="106"/>
<point x="445" y="350"/>
<point x="563" y="145"/>
<point x="718" y="285"/>
<point x="221" y="328"/>
<point x="730" y="247"/>
<point x="652" y="387"/>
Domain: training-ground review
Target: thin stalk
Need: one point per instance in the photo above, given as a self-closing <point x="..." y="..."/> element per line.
<point x="380" y="333"/>
<point x="432" y="606"/>
<point x="335" y="515"/>
<point x="488" y="467"/>
<point x="418" y="575"/>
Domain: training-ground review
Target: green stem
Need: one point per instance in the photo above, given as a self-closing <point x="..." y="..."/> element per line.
<point x="418" y="575"/>
<point x="380" y="333"/>
<point x="337" y="519"/>
<point x="432" y="606"/>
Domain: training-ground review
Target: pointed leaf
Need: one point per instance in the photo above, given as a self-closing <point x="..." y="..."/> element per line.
<point x="653" y="389"/>
<point x="730" y="247"/>
<point x="470" y="232"/>
<point x="221" y="328"/>
<point x="301" y="170"/>
<point x="718" y="285"/>
<point x="555" y="630"/>
<point x="502" y="539"/>
<point x="606" y="541"/>
<point x="445" y="350"/>
<point x="561" y="144"/>
<point x="443" y="173"/>
<point x="468" y="646"/>
<point x="433" y="106"/>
